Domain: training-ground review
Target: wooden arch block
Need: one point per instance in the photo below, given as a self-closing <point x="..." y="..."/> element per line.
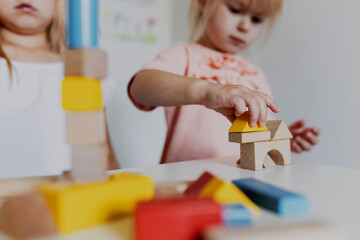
<point x="254" y="154"/>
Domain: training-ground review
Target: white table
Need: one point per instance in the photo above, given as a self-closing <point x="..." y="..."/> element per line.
<point x="333" y="192"/>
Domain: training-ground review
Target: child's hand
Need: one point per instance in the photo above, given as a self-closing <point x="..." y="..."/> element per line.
<point x="303" y="137"/>
<point x="232" y="101"/>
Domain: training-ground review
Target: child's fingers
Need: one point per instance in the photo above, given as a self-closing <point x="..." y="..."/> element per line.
<point x="305" y="145"/>
<point x="310" y="137"/>
<point x="298" y="124"/>
<point x="295" y="147"/>
<point x="262" y="111"/>
<point x="254" y="111"/>
<point x="270" y="103"/>
<point x="315" y="131"/>
<point x="240" y="107"/>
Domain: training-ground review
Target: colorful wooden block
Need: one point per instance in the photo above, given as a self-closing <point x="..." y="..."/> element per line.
<point x="241" y="124"/>
<point x="89" y="163"/>
<point x="253" y="155"/>
<point x="175" y="219"/>
<point x="26" y="216"/>
<point x="294" y="231"/>
<point x="283" y="202"/>
<point x="82" y="23"/>
<point x="249" y="137"/>
<point x="86" y="62"/>
<point x="80" y="206"/>
<point x="86" y="128"/>
<point x="209" y="186"/>
<point x="184" y="219"/>
<point x="81" y="94"/>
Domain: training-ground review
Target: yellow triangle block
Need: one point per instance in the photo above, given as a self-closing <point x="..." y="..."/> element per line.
<point x="226" y="193"/>
<point x="241" y="124"/>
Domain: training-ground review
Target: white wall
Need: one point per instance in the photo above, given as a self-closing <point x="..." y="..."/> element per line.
<point x="137" y="136"/>
<point x="312" y="61"/>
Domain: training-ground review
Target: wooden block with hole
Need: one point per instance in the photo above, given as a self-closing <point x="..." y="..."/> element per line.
<point x="86" y="62"/>
<point x="86" y="128"/>
<point x="89" y="163"/>
<point x="253" y="155"/>
<point x="26" y="216"/>
<point x="81" y="94"/>
<point x="77" y="207"/>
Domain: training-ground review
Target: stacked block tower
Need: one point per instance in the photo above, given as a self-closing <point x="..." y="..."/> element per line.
<point x="85" y="67"/>
<point x="261" y="147"/>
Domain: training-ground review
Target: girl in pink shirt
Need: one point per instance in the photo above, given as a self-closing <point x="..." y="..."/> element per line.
<point x="197" y="81"/>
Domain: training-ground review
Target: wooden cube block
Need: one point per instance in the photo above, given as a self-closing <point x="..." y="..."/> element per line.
<point x="86" y="62"/>
<point x="77" y="207"/>
<point x="81" y="94"/>
<point x="86" y="128"/>
<point x="26" y="216"/>
<point x="89" y="163"/>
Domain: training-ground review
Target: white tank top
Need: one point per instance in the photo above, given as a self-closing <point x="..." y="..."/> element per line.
<point x="32" y="121"/>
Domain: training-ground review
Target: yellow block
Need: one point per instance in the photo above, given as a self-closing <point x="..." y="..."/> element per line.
<point x="80" y="206"/>
<point x="81" y="94"/>
<point x="241" y="124"/>
<point x="224" y="192"/>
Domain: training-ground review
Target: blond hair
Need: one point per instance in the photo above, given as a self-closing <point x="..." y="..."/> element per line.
<point x="200" y="12"/>
<point x="55" y="33"/>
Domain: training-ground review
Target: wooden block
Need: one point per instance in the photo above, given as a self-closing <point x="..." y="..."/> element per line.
<point x="278" y="130"/>
<point x="81" y="94"/>
<point x="283" y="202"/>
<point x="20" y="186"/>
<point x="298" y="231"/>
<point x="77" y="207"/>
<point x="89" y="163"/>
<point x="241" y="124"/>
<point x="88" y="62"/>
<point x="209" y="186"/>
<point x="179" y="219"/>
<point x="249" y="137"/>
<point x="26" y="216"/>
<point x="253" y="154"/>
<point x="268" y="162"/>
<point x="86" y="128"/>
<point x="195" y="188"/>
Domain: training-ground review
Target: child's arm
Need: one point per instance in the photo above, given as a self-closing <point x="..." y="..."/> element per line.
<point x="158" y="88"/>
<point x="304" y="138"/>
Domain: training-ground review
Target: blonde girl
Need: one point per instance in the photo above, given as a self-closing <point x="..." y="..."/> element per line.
<point x="198" y="80"/>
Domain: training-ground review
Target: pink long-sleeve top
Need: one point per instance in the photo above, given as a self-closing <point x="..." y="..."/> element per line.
<point x="194" y="131"/>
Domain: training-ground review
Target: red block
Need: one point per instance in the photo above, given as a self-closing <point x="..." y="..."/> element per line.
<point x="180" y="219"/>
<point x="194" y="189"/>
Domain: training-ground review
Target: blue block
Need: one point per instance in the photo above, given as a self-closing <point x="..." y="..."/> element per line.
<point x="234" y="215"/>
<point x="285" y="203"/>
<point x="82" y="23"/>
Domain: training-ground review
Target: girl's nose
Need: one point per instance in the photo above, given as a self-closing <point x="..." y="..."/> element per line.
<point x="244" y="23"/>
